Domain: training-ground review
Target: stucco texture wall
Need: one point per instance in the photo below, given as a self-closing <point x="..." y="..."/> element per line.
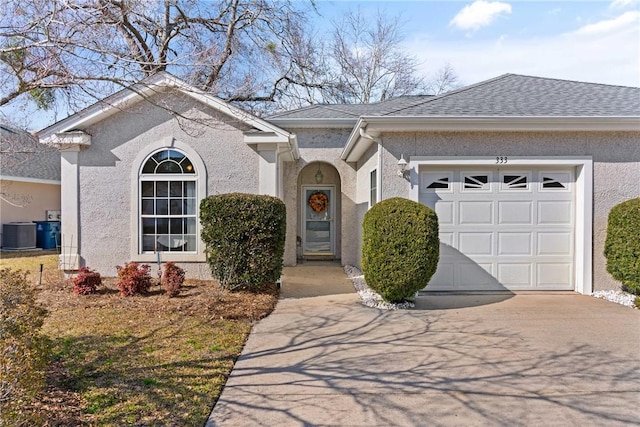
<point x="323" y="146"/>
<point x="29" y="201"/>
<point x="107" y="167"/>
<point x="616" y="175"/>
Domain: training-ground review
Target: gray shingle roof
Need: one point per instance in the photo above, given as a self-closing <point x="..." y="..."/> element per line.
<point x="517" y="95"/>
<point x="507" y="95"/>
<point x="23" y="156"/>
<point x="345" y="111"/>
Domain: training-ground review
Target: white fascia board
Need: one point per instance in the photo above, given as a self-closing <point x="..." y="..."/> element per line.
<point x="503" y="123"/>
<point x="354" y="141"/>
<point x="29" y="180"/>
<point x="315" y="123"/>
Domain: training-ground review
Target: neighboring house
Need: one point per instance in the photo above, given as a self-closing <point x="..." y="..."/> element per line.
<point x="29" y="177"/>
<point x="522" y="172"/>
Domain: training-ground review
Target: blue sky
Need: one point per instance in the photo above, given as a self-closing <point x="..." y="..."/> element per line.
<point x="594" y="41"/>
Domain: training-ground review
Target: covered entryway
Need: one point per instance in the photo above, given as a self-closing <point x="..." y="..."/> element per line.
<point x="319" y="209"/>
<point x="503" y="227"/>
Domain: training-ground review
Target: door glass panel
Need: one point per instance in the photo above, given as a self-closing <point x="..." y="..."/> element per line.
<point x="318" y="220"/>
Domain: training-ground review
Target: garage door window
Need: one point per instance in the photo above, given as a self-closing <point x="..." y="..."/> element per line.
<point x="515" y="181"/>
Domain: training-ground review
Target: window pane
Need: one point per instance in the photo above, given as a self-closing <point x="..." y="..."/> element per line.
<point x="162" y="207"/>
<point x="190" y="207"/>
<point x="161" y="155"/>
<point x="162" y="188"/>
<point x="176" y="243"/>
<point x="168" y="166"/>
<point x="147" y="188"/>
<point x="175" y="189"/>
<point x="175" y="155"/>
<point x="190" y="189"/>
<point x="176" y="225"/>
<point x="148" y="242"/>
<point x="191" y="243"/>
<point x="147" y="206"/>
<point x="163" y="242"/>
<point x="149" y="167"/>
<point x="187" y="167"/>
<point x="163" y="225"/>
<point x="176" y="207"/>
<point x="191" y="225"/>
<point x="148" y="225"/>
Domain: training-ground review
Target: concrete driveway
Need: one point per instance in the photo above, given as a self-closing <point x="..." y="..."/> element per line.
<point x="503" y="359"/>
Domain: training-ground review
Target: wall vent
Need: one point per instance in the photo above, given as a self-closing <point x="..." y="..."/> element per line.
<point x="53" y="215"/>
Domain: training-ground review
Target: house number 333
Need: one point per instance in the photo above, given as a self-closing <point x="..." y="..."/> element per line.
<point x="501" y="160"/>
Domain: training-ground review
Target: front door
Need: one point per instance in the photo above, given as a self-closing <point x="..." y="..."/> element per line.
<point x="318" y="228"/>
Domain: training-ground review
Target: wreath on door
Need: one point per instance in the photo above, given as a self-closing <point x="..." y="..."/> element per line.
<point x="319" y="202"/>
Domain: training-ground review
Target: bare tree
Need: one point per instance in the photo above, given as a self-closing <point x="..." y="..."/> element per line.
<point x="444" y="80"/>
<point x="370" y="64"/>
<point x="87" y="48"/>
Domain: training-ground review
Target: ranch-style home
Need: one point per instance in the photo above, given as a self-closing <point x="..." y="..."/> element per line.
<point x="522" y="172"/>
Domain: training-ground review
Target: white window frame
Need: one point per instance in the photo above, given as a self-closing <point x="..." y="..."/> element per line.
<point x="583" y="192"/>
<point x="373" y="191"/>
<point x="200" y="177"/>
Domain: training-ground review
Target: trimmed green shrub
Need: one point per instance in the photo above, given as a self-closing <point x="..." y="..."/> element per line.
<point x="244" y="236"/>
<point x="24" y="352"/>
<point x="133" y="279"/>
<point x="400" y="248"/>
<point x="172" y="278"/>
<point x="622" y="246"/>
<point x="86" y="281"/>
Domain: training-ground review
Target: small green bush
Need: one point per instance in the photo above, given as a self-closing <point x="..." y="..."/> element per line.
<point x="24" y="352"/>
<point x="244" y="236"/>
<point x="133" y="279"/>
<point x="86" y="281"/>
<point x="172" y="279"/>
<point x="622" y="246"/>
<point x="400" y="249"/>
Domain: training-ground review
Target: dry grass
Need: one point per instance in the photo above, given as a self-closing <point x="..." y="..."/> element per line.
<point x="143" y="360"/>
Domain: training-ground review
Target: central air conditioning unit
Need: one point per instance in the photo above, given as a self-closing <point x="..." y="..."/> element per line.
<point x="19" y="235"/>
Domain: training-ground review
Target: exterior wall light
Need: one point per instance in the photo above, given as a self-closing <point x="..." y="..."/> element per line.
<point x="319" y="177"/>
<point x="402" y="167"/>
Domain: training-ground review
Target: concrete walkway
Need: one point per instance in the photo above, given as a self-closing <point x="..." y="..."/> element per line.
<point x="502" y="359"/>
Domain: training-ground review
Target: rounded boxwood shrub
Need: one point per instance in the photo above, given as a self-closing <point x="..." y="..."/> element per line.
<point x="244" y="236"/>
<point x="400" y="249"/>
<point x="622" y="246"/>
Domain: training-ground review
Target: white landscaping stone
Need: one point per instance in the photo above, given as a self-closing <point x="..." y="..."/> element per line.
<point x="369" y="297"/>
<point x="618" y="297"/>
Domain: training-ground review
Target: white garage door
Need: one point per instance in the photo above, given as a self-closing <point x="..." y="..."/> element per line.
<point x="502" y="228"/>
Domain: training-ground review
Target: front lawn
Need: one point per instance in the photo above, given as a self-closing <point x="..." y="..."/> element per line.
<point x="142" y="360"/>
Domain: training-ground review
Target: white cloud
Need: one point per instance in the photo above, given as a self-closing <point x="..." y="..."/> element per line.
<point x="479" y="14"/>
<point x="619" y="4"/>
<point x="609" y="55"/>
<point x="610" y="25"/>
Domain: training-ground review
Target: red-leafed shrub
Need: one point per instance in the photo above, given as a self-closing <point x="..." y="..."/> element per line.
<point x="172" y="279"/>
<point x="133" y="279"/>
<point x="86" y="282"/>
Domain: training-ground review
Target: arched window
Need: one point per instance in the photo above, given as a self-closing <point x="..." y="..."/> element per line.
<point x="168" y="203"/>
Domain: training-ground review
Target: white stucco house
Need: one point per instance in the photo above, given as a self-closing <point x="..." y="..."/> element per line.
<point x="522" y="172"/>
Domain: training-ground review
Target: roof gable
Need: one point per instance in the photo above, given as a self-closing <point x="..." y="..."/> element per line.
<point x="151" y="86"/>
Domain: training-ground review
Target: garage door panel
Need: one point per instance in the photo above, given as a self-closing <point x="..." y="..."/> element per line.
<point x="474" y="275"/>
<point x="517" y="212"/>
<point x="513" y="244"/>
<point x="515" y="274"/>
<point x="444" y="210"/>
<point x="555" y="243"/>
<point x="554" y="275"/>
<point x="475" y="243"/>
<point x="476" y="213"/>
<point x="443" y="277"/>
<point x="555" y="212"/>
